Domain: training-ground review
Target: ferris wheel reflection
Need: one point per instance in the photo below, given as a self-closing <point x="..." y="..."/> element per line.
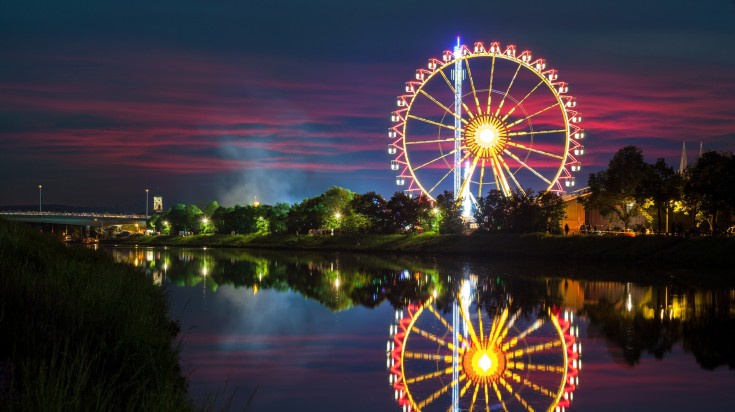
<point x="478" y="350"/>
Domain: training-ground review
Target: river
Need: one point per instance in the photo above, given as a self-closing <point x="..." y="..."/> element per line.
<point x="294" y="331"/>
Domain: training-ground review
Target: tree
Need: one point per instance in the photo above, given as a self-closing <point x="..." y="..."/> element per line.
<point x="277" y="216"/>
<point x="374" y="209"/>
<point x="710" y="186"/>
<point x="305" y="216"/>
<point x="620" y="189"/>
<point x="338" y="213"/>
<point x="194" y="218"/>
<point x="552" y="210"/>
<point x="663" y="185"/>
<point x="492" y="212"/>
<point x="211" y="208"/>
<point x="407" y="214"/>
<point x="449" y="213"/>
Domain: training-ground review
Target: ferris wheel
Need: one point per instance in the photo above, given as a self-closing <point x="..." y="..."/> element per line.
<point x="509" y="362"/>
<point x="485" y="118"/>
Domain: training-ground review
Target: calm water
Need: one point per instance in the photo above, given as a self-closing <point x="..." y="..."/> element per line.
<point x="306" y="332"/>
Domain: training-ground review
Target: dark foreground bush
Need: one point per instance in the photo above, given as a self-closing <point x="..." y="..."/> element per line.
<point x="80" y="332"/>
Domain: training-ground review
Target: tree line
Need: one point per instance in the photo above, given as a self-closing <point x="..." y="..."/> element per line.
<point x="703" y="193"/>
<point x="339" y="210"/>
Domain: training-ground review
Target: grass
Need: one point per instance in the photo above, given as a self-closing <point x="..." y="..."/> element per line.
<point x="80" y="332"/>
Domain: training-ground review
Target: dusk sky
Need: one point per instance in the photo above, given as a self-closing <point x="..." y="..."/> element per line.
<point x="228" y="100"/>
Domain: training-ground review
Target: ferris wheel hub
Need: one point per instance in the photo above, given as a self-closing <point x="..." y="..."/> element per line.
<point x="486" y="136"/>
<point x="483" y="364"/>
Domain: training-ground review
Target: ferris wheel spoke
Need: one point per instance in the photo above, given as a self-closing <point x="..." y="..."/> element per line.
<point x="447" y="174"/>
<point x="470" y="172"/>
<point x="430" y="336"/>
<point x="465" y="388"/>
<point x="469" y="324"/>
<point x="487" y="399"/>
<point x="445" y="108"/>
<point x="474" y="398"/>
<point x="437" y="394"/>
<point x="434" y="160"/>
<point x="522" y="163"/>
<point x="500" y="176"/>
<point x="421" y="119"/>
<point x="442" y="320"/>
<point x="451" y="139"/>
<point x="533" y="349"/>
<point x="493" y="162"/>
<point x="490" y="88"/>
<point x="500" y="397"/>
<point x="527" y="383"/>
<point x="447" y="371"/>
<point x="449" y="83"/>
<point x="523" y="119"/>
<point x="461" y="393"/>
<point x="530" y="329"/>
<point x="509" y="325"/>
<point x="479" y="310"/>
<point x="479" y="195"/>
<point x="500" y="106"/>
<point x="515" y="394"/>
<point x="427" y="356"/>
<point x="441" y="180"/>
<point x="530" y="149"/>
<point x="532" y="367"/>
<point x="472" y="86"/>
<point x="522" y="100"/>
<point x="497" y="325"/>
<point x="511" y="134"/>
<point x="512" y="176"/>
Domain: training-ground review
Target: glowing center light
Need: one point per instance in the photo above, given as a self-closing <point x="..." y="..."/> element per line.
<point x="488" y="135"/>
<point x="485" y="363"/>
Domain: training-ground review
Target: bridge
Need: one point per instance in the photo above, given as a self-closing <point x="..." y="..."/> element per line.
<point x="75" y="219"/>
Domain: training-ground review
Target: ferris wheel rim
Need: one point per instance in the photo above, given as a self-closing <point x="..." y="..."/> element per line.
<point x="572" y="132"/>
<point x="554" y="318"/>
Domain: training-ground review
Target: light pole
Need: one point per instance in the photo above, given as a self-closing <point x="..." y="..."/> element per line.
<point x="146" y="207"/>
<point x="39" y="198"/>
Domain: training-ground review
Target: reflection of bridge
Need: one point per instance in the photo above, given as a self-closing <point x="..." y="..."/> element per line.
<point x="77" y="219"/>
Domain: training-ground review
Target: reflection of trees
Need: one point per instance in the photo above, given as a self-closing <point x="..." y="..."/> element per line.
<point x="339" y="281"/>
<point x="660" y="318"/>
<point x="631" y="333"/>
<point x="703" y="327"/>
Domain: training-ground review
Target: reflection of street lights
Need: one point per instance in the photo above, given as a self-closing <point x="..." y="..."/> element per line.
<point x="39" y="198"/>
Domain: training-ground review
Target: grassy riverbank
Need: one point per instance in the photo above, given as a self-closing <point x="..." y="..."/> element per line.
<point x="669" y="251"/>
<point x="80" y="332"/>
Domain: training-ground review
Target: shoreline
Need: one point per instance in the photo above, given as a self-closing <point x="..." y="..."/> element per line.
<point x="657" y="251"/>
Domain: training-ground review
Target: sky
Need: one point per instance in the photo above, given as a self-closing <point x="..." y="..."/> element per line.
<point x="279" y="100"/>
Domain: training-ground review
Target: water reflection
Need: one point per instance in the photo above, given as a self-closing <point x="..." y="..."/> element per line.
<point x="483" y="355"/>
<point x="267" y="323"/>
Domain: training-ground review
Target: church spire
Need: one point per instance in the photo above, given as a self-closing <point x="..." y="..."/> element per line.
<point x="683" y="161"/>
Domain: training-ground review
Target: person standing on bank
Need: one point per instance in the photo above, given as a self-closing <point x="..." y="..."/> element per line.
<point x="566" y="229"/>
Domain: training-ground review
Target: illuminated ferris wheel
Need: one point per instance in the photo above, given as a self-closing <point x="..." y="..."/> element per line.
<point x="509" y="362"/>
<point x="485" y="118"/>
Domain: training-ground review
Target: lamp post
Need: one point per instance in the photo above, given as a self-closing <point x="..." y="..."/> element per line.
<point x="146" y="207"/>
<point x="39" y="198"/>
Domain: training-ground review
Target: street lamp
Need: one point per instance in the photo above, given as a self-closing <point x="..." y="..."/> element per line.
<point x="146" y="206"/>
<point x="39" y="198"/>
